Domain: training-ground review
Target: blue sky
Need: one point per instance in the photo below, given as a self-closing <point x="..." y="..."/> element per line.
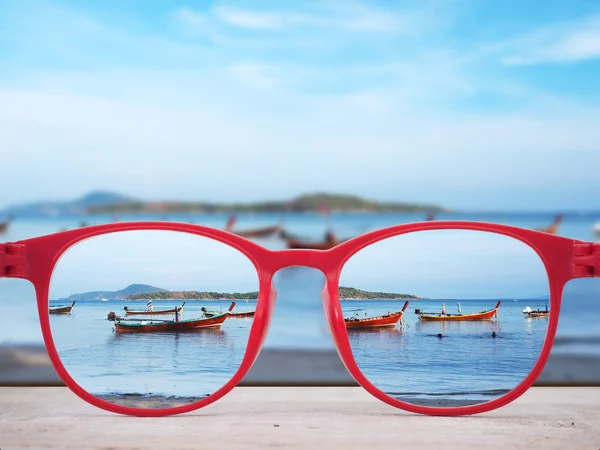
<point x="467" y="264"/>
<point x="207" y="264"/>
<point x="468" y="104"/>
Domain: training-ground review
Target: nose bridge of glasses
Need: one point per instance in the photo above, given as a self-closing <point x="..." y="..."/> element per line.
<point x="298" y="320"/>
<point x="308" y="258"/>
<point x="13" y="260"/>
<point x="303" y="279"/>
<point x="586" y="260"/>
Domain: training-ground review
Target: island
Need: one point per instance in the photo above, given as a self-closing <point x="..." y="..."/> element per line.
<point x="121" y="294"/>
<point x="345" y="293"/>
<point x="317" y="202"/>
<point x="149" y="292"/>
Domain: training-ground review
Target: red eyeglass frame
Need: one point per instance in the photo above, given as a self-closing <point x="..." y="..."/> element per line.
<point x="564" y="259"/>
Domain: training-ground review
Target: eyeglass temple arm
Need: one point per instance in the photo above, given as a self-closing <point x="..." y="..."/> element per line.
<point x="586" y="260"/>
<point x="13" y="260"/>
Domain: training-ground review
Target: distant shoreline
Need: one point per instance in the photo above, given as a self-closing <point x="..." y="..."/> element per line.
<point x="315" y="203"/>
<point x="344" y="293"/>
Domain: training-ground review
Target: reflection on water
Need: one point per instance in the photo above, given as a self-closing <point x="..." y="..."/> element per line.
<point x="482" y="327"/>
<point x="380" y="331"/>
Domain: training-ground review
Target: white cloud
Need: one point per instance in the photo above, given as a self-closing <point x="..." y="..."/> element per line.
<point x="255" y="75"/>
<point x="192" y="20"/>
<point x="233" y="28"/>
<point x="256" y="20"/>
<point x="564" y="43"/>
<point x="346" y="16"/>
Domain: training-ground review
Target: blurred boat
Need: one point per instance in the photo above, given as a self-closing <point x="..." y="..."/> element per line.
<point x="59" y="309"/>
<point x="258" y="232"/>
<point x="330" y="241"/>
<point x="484" y="315"/>
<point x="388" y="320"/>
<point x="597" y="230"/>
<point x="155" y="325"/>
<point x="262" y="232"/>
<point x="5" y="224"/>
<point x="154" y="311"/>
<point x="552" y="229"/>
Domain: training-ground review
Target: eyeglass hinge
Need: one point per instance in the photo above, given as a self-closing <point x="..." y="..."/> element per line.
<point x="13" y="260"/>
<point x="586" y="260"/>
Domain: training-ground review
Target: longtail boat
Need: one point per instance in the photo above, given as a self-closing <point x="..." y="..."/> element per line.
<point x="387" y="320"/>
<point x="484" y="315"/>
<point x="533" y="313"/>
<point x="61" y="309"/>
<point x="154" y="312"/>
<point x="155" y="325"/>
<point x="232" y="315"/>
<point x="539" y="314"/>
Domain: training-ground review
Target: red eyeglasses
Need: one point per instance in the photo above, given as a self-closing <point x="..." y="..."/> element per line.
<point x="441" y="318"/>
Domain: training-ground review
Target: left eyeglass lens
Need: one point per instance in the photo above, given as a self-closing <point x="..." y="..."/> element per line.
<point x="122" y="330"/>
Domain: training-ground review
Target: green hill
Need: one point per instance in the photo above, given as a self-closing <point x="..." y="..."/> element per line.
<point x="345" y="293"/>
<point x="348" y="293"/>
<point x="132" y="289"/>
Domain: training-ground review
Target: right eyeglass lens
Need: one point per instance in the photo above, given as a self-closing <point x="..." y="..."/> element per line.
<point x="475" y="324"/>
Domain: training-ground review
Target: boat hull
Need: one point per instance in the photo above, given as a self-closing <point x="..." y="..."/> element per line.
<point x="374" y="322"/>
<point x="242" y="315"/>
<point x="539" y="314"/>
<point x="61" y="310"/>
<point x="184" y="325"/>
<point x="388" y="320"/>
<point x="484" y="315"/>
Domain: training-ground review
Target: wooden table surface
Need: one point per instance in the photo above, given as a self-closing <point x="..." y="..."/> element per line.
<point x="301" y="418"/>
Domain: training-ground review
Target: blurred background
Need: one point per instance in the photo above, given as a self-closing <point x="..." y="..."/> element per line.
<point x="301" y="125"/>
